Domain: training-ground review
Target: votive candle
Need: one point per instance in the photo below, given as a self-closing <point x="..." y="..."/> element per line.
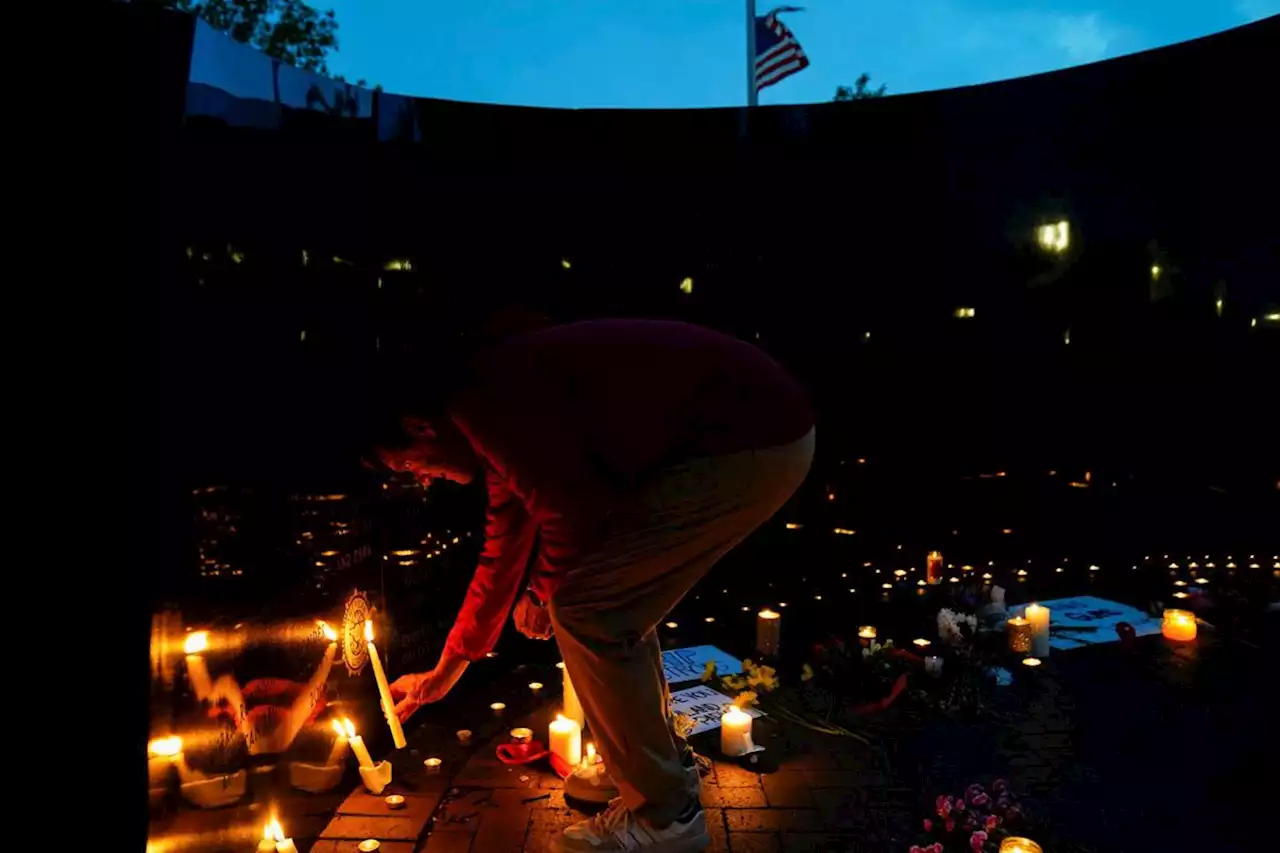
<point x="1019" y="635"/>
<point x="768" y="631"/>
<point x="933" y="567"/>
<point x="564" y="737"/>
<point x="1015" y="844"/>
<point x="735" y="732"/>
<point x="1179" y="625"/>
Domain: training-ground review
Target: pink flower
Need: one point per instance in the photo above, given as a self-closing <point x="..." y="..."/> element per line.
<point x="977" y="840"/>
<point x="935" y="847"/>
<point x="992" y="822"/>
<point x="999" y="785"/>
<point x="951" y="825"/>
<point x="960" y="804"/>
<point x="928" y="825"/>
<point x="980" y="800"/>
<point x="945" y="804"/>
<point x="972" y="792"/>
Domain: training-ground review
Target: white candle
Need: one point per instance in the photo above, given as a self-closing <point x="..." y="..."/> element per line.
<point x="339" y="750"/>
<point x="384" y="689"/>
<point x="768" y="631"/>
<point x="163" y="753"/>
<point x="565" y="740"/>
<point x="1038" y="616"/>
<point x="572" y="707"/>
<point x="197" y="670"/>
<point x="363" y="758"/>
<point x="274" y="841"/>
<point x="735" y="732"/>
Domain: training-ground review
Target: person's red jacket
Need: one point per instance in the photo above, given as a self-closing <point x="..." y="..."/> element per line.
<point x="570" y="420"/>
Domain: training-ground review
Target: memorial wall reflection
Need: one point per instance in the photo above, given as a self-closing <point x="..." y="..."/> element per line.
<point x="263" y="697"/>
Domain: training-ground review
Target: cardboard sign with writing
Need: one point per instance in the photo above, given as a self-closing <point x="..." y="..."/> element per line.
<point x="705" y="706"/>
<point x="680" y="665"/>
<point x="1097" y="616"/>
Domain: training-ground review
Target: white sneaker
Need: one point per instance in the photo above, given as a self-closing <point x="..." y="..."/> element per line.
<point x="616" y="829"/>
<point x="590" y="784"/>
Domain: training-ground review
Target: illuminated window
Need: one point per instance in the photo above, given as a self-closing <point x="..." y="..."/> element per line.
<point x="686" y="286"/>
<point x="964" y="313"/>
<point x="564" y="262"/>
<point x="1155" y="272"/>
<point x="1055" y="237"/>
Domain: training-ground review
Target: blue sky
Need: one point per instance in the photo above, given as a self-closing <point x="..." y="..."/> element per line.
<point x="690" y="53"/>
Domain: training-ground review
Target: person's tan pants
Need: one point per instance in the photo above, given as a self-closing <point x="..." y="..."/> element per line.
<point x="607" y="609"/>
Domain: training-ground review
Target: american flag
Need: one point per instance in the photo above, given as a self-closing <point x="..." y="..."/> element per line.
<point x="778" y="54"/>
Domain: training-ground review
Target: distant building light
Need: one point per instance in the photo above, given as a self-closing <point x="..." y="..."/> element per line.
<point x="686" y="286"/>
<point x="564" y="262"/>
<point x="1217" y="305"/>
<point x="1273" y="317"/>
<point x="398" y="265"/>
<point x="1066" y="337"/>
<point x="1055" y="237"/>
<point x="866" y="336"/>
<point x="1155" y="271"/>
<point x="791" y="525"/>
<point x="303" y="336"/>
<point x="964" y="313"/>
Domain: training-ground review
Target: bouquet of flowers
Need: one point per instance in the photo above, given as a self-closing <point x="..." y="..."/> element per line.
<point x="972" y="822"/>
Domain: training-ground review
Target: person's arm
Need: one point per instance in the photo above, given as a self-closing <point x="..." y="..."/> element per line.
<point x="508" y="539"/>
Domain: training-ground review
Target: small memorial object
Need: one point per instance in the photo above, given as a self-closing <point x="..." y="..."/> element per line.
<point x="1038" y="616"/>
<point x="432" y="765"/>
<point x="768" y="631"/>
<point x="1014" y="844"/>
<point x="564" y="738"/>
<point x="535" y="686"/>
<point x="395" y="801"/>
<point x="464" y="736"/>
<point x="1179" y="625"/>
<point x="498" y="707"/>
<point x="376" y="778"/>
<point x="1031" y="662"/>
<point x="384" y="689"/>
<point x="590" y="758"/>
<point x="521" y="735"/>
<point x="369" y="845"/>
<point x="1019" y="635"/>
<point x="933" y="567"/>
<point x="866" y="634"/>
<point x="735" y="732"/>
<point x="363" y="758"/>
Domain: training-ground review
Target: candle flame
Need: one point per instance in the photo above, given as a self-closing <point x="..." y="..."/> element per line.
<point x="165" y="746"/>
<point x="273" y="831"/>
<point x="348" y="728"/>
<point x="770" y="614"/>
<point x="337" y="727"/>
<point x="734" y="709"/>
<point x="368" y="630"/>
<point x="591" y="752"/>
<point x="329" y="634"/>
<point x="196" y="642"/>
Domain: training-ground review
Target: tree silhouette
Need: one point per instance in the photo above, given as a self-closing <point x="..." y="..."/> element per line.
<point x="860" y="90"/>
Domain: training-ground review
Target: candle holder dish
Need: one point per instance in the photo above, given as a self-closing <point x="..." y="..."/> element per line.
<point x="216" y="791"/>
<point x="376" y="778"/>
<point x="315" y="778"/>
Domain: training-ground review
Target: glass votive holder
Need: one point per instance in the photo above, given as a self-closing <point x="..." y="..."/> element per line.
<point x="521" y="735"/>
<point x="1017" y="844"/>
<point x="1019" y="628"/>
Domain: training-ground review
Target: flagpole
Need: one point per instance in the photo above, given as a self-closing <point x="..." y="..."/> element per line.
<point x="753" y="94"/>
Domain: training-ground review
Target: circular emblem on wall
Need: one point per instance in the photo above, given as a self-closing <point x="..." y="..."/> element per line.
<point x="355" y="653"/>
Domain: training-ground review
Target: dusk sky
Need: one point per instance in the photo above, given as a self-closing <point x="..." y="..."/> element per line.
<point x="691" y="53"/>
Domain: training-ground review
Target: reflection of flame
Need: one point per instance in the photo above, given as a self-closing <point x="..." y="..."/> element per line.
<point x="348" y="729"/>
<point x="329" y="634"/>
<point x="368" y="630"/>
<point x="197" y="642"/>
<point x="273" y="831"/>
<point x="165" y="746"/>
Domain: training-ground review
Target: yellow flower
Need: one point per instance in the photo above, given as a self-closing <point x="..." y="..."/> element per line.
<point x="734" y="682"/>
<point x="747" y="699"/>
<point x="806" y="672"/>
<point x="709" y="671"/>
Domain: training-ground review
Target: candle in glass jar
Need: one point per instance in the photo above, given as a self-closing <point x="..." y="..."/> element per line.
<point x="565" y="740"/>
<point x="384" y="689"/>
<point x="1038" y="616"/>
<point x="521" y="735"/>
<point x="1014" y="844"/>
<point x="1019" y="635"/>
<point x="933" y="567"/>
<point x="363" y="758"/>
<point x="768" y="631"/>
<point x="1179" y="625"/>
<point x="432" y="765"/>
<point x="866" y="634"/>
<point x="735" y="732"/>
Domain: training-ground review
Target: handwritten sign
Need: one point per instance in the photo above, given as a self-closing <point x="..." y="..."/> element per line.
<point x="704" y="705"/>
<point x="680" y="665"/>
<point x="1097" y="614"/>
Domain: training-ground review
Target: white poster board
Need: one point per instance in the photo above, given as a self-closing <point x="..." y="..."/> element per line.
<point x="705" y="706"/>
<point x="1085" y="611"/>
<point x="680" y="665"/>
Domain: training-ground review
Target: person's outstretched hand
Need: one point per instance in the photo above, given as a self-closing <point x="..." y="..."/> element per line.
<point x="532" y="618"/>
<point x="418" y="689"/>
